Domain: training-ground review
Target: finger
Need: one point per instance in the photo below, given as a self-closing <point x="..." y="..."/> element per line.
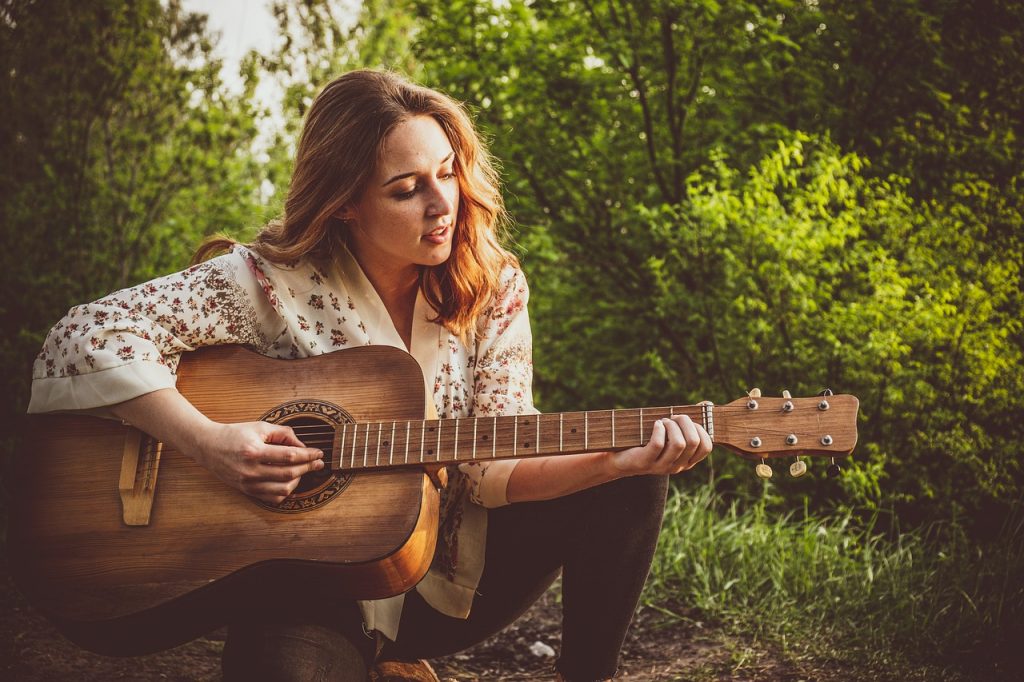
<point x="705" y="446"/>
<point x="281" y="435"/>
<point x="286" y="474"/>
<point x="272" y="492"/>
<point x="689" y="431"/>
<point x="283" y="455"/>
<point x="674" y="442"/>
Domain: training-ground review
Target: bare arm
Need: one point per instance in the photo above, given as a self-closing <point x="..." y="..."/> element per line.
<point x="676" y="445"/>
<point x="260" y="459"/>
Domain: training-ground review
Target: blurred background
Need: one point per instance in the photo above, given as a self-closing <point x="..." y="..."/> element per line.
<point x="708" y="196"/>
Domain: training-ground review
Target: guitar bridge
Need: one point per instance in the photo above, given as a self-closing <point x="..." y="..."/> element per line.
<point x="137" y="485"/>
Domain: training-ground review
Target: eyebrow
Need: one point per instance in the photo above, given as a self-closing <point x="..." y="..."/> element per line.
<point x="402" y="176"/>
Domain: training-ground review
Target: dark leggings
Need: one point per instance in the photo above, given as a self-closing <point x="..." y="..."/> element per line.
<point x="602" y="539"/>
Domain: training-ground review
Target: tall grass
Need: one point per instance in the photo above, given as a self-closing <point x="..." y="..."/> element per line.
<point x="882" y="597"/>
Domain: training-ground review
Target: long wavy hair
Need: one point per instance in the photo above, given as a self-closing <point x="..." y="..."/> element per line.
<point x="341" y="142"/>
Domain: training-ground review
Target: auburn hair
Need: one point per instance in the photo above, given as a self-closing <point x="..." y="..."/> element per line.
<point x="341" y="142"/>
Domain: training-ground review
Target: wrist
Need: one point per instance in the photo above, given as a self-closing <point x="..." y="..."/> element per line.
<point x="610" y="471"/>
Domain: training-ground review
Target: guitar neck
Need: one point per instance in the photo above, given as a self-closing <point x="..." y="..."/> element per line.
<point x="377" y="445"/>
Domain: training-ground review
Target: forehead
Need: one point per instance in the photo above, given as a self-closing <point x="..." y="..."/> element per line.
<point x="416" y="144"/>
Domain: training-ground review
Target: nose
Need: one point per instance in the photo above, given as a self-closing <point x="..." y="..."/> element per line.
<point x="443" y="198"/>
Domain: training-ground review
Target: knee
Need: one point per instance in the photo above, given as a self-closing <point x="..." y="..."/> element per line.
<point x="290" y="653"/>
<point x="639" y="497"/>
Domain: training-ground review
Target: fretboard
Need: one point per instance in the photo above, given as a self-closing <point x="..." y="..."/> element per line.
<point x="374" y="445"/>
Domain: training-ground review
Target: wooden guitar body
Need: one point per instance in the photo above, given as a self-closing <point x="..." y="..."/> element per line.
<point x="209" y="553"/>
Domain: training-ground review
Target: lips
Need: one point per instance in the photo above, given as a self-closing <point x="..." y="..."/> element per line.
<point x="439" y="235"/>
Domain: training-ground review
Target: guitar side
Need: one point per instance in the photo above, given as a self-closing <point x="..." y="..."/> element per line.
<point x="209" y="551"/>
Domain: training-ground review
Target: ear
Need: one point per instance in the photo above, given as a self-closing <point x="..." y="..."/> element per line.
<point x="344" y="214"/>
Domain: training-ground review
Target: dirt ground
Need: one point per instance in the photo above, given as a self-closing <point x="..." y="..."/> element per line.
<point x="32" y="651"/>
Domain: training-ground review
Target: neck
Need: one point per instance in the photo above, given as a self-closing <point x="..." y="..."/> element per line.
<point x="399" y="443"/>
<point x="395" y="284"/>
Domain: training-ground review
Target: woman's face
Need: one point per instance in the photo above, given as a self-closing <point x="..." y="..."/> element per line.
<point x="406" y="215"/>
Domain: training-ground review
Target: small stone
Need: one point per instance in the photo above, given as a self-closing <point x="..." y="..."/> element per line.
<point x="542" y="650"/>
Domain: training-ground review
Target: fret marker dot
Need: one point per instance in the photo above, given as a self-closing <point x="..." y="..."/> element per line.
<point x="526" y="444"/>
<point x="430" y="452"/>
<point x="574" y="431"/>
<point x="485" y="438"/>
<point x="385" y="443"/>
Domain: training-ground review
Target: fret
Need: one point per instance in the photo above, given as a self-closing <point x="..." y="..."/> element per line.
<point x="515" y="435"/>
<point x="376" y="457"/>
<point x="423" y="437"/>
<point x="494" y="438"/>
<point x="560" y="415"/>
<point x="455" y="450"/>
<point x="613" y="428"/>
<point x="366" y="445"/>
<point x="437" y="453"/>
<point x="355" y="439"/>
<point x="408" y="426"/>
<point x="586" y="430"/>
<point x="391" y="449"/>
<point x="536" y="442"/>
<point x="641" y="421"/>
<point x="474" y="437"/>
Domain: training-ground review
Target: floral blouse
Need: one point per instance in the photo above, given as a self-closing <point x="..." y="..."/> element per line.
<point x="128" y="344"/>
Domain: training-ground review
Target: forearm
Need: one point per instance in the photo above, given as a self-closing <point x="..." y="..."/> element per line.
<point x="167" y="416"/>
<point x="545" y="478"/>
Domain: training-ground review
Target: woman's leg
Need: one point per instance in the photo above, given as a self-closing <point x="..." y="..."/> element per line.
<point x="298" y="648"/>
<point x="603" y="539"/>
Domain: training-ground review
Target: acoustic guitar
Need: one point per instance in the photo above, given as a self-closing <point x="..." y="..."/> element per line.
<point x="131" y="547"/>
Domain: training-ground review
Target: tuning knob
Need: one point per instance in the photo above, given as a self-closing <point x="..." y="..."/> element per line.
<point x="763" y="470"/>
<point x="833" y="469"/>
<point x="797" y="469"/>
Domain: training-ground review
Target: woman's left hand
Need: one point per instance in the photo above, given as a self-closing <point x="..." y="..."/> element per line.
<point x="676" y="444"/>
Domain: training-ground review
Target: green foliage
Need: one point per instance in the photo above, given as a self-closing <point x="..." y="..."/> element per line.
<point x="120" y="150"/>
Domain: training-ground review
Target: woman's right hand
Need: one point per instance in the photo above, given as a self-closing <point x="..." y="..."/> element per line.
<point x="260" y="459"/>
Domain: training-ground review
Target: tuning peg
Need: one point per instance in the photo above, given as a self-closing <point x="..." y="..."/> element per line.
<point x="763" y="470"/>
<point x="833" y="469"/>
<point x="798" y="468"/>
<point x="786" y="395"/>
<point x="752" y="395"/>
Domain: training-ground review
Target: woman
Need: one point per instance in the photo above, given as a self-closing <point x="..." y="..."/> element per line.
<point x="389" y="237"/>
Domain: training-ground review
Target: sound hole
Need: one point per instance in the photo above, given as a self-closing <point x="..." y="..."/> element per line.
<point x="314" y="433"/>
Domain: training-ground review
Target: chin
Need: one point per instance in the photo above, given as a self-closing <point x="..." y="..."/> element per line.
<point x="437" y="257"/>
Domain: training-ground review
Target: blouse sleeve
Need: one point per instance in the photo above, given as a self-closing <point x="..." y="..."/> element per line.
<point x="128" y="344"/>
<point x="502" y="378"/>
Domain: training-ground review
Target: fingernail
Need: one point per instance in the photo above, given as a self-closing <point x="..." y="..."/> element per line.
<point x="319" y="464"/>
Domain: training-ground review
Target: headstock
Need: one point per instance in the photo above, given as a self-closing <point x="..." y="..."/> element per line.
<point x="760" y="428"/>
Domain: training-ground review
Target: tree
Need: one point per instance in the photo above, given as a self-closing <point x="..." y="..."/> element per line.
<point x="120" y="149"/>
